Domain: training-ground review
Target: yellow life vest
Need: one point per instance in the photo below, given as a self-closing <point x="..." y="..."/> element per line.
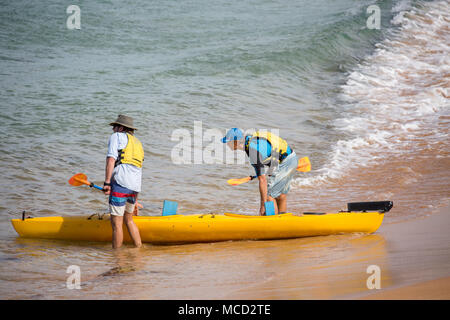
<point x="133" y="153"/>
<point x="280" y="148"/>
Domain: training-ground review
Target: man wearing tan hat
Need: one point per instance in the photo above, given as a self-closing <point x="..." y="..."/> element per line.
<point x="123" y="176"/>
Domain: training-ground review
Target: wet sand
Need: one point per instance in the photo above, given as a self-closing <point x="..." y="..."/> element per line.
<point x="411" y="256"/>
<point x="420" y="251"/>
<point x="429" y="290"/>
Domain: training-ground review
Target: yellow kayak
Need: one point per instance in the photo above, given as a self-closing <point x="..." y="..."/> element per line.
<point x="202" y="228"/>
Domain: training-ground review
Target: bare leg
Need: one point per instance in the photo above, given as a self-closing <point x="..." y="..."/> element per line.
<point x="117" y="235"/>
<point x="282" y="203"/>
<point x="132" y="229"/>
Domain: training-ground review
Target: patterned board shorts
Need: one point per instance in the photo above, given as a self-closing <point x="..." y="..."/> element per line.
<point x="121" y="199"/>
<point x="280" y="180"/>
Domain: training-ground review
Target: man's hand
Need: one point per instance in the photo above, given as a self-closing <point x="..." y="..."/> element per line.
<point x="107" y="190"/>
<point x="262" y="211"/>
<point x="136" y="208"/>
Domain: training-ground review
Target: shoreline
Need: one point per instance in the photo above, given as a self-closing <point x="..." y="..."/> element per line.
<point x="438" y="289"/>
<point x="432" y="286"/>
<point x="413" y="257"/>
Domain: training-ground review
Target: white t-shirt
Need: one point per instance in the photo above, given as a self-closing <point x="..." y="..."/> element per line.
<point x="127" y="175"/>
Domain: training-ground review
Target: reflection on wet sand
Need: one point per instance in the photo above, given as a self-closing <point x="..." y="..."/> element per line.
<point x="308" y="268"/>
<point x="317" y="267"/>
<point x="127" y="261"/>
<point x="322" y="268"/>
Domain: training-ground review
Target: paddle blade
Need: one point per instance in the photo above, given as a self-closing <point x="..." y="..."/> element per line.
<point x="304" y="165"/>
<point x="78" y="180"/>
<point x="235" y="182"/>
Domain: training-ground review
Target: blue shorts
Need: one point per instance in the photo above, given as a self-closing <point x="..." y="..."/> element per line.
<point x="121" y="199"/>
<point x="279" y="181"/>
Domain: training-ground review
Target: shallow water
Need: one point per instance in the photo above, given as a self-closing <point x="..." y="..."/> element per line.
<point x="369" y="107"/>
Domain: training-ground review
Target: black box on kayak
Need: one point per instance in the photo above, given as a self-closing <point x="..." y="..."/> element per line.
<point x="382" y="206"/>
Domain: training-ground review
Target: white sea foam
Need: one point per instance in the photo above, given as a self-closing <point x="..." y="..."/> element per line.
<point x="402" y="6"/>
<point x="397" y="93"/>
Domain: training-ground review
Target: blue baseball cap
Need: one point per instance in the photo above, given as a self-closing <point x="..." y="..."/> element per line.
<point x="233" y="134"/>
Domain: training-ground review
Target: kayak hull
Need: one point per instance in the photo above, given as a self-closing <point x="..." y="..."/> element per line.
<point x="202" y="228"/>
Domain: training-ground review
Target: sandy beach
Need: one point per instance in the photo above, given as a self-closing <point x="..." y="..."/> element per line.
<point x="420" y="251"/>
<point x="413" y="256"/>
<point x="438" y="289"/>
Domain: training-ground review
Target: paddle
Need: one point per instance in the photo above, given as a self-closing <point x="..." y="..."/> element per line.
<point x="80" y="179"/>
<point x="235" y="182"/>
<point x="304" y="165"/>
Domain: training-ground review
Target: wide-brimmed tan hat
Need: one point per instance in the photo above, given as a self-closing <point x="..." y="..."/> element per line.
<point x="125" y="121"/>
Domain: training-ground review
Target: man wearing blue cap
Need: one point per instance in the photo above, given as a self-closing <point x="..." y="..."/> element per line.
<point x="270" y="156"/>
